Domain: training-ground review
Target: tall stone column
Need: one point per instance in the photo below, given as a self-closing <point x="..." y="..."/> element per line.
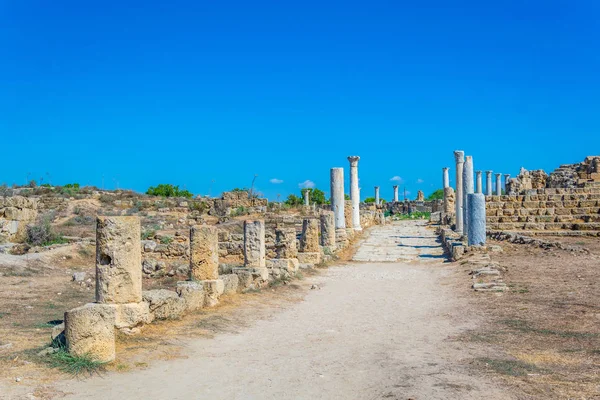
<point x="459" y="157"/>
<point x="377" y="195"/>
<point x="254" y="244"/>
<point x="204" y="253"/>
<point x="337" y="197"/>
<point x="506" y="178"/>
<point x="488" y="183"/>
<point x="467" y="189"/>
<point x="396" y="193"/>
<point x="445" y="177"/>
<point x="307" y="197"/>
<point x="479" y="185"/>
<point x="118" y="260"/>
<point x="327" y="229"/>
<point x="477" y="221"/>
<point x="498" y="184"/>
<point x="355" y="192"/>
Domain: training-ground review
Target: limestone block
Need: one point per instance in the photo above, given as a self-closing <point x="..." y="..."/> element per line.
<point x="230" y="282"/>
<point x="245" y="279"/>
<point x="310" y="236"/>
<point x="118" y="260"/>
<point x="289" y="264"/>
<point x="193" y="294"/>
<point x="130" y="315"/>
<point x="285" y="243"/>
<point x="213" y="289"/>
<point x="164" y="304"/>
<point x="309" y="258"/>
<point x="327" y="220"/>
<point x="90" y="330"/>
<point x="254" y="244"/>
<point x="204" y="253"/>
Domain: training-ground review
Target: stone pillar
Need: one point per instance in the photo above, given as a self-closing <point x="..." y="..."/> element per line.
<point x="307" y="197"/>
<point x="355" y="192"/>
<point x="285" y="243"/>
<point x="498" y="184"/>
<point x="328" y="229"/>
<point x="449" y="203"/>
<point x="90" y="330"/>
<point x="396" y="193"/>
<point x="477" y="227"/>
<point x="479" y="186"/>
<point x="204" y="253"/>
<point x="506" y="178"/>
<point x="337" y="197"/>
<point x="459" y="157"/>
<point x="376" y="195"/>
<point x="309" y="243"/>
<point x="488" y="183"/>
<point x="118" y="260"/>
<point x="254" y="244"/>
<point x="467" y="189"/>
<point x="445" y="178"/>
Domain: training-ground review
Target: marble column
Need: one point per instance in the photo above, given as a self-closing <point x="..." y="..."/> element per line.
<point x="459" y="158"/>
<point x="506" y="179"/>
<point x="377" y="195"/>
<point x="396" y="193"/>
<point x="355" y="192"/>
<point x="467" y="189"/>
<point x="488" y="183"/>
<point x="479" y="185"/>
<point x="477" y="222"/>
<point x="498" y="184"/>
<point x="307" y="197"/>
<point x="337" y="197"/>
<point x="446" y="177"/>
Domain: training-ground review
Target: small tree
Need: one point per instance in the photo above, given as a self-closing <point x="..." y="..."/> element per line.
<point x="293" y="200"/>
<point x="168" y="190"/>
<point x="316" y="196"/>
<point x="370" y="200"/>
<point x="437" y="195"/>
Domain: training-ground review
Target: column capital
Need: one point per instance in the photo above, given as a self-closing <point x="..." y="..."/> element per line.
<point x="395" y="187"/>
<point x="489" y="172"/>
<point x="459" y="156"/>
<point x="353" y="160"/>
<point x="478" y="172"/>
<point x="498" y="175"/>
<point x="445" y="169"/>
<point x="507" y="176"/>
<point x="376" y="187"/>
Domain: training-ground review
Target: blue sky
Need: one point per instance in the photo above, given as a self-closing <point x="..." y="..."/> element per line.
<point x="191" y="92"/>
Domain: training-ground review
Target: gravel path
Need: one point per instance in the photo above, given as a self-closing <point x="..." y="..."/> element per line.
<point x="375" y="329"/>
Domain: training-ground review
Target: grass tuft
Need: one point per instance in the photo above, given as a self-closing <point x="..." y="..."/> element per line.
<point x="74" y="365"/>
<point x="510" y="367"/>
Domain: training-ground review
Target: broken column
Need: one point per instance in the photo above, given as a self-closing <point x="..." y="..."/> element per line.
<point x="467" y="189"/>
<point x="396" y="193"/>
<point x="376" y="195"/>
<point x="478" y="186"/>
<point x="445" y="177"/>
<point x="286" y="251"/>
<point x="506" y="179"/>
<point x="327" y="230"/>
<point x="449" y="203"/>
<point x="337" y="204"/>
<point x="90" y="331"/>
<point x="354" y="192"/>
<point x="488" y="183"/>
<point x="306" y="197"/>
<point x="206" y="287"/>
<point x="254" y="244"/>
<point x="498" y="184"/>
<point x="459" y="157"/>
<point x="477" y="223"/>
<point x="310" y="252"/>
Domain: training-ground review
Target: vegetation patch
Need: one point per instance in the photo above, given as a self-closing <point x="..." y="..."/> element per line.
<point x="509" y="367"/>
<point x="74" y="365"/>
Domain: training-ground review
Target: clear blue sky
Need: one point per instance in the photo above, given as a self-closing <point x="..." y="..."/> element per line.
<point x="188" y="92"/>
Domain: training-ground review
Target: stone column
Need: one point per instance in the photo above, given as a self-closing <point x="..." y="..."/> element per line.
<point x="446" y="177"/>
<point x="204" y="253"/>
<point x="506" y="178"/>
<point x="90" y="330"/>
<point x="498" y="184"/>
<point x="254" y="244"/>
<point x="396" y="193"/>
<point x="285" y="243"/>
<point x="488" y="183"/>
<point x="449" y="203"/>
<point x="327" y="229"/>
<point x="459" y="157"/>
<point x="307" y="197"/>
<point x="376" y="195"/>
<point x="467" y="189"/>
<point x="479" y="186"/>
<point x="354" y="192"/>
<point x="337" y="197"/>
<point x="309" y="242"/>
<point x="118" y="260"/>
<point x="477" y="222"/>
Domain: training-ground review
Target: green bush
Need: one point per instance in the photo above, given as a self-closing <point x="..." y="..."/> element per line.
<point x="168" y="190"/>
<point x="293" y="200"/>
<point x="43" y="234"/>
<point x="437" y="195"/>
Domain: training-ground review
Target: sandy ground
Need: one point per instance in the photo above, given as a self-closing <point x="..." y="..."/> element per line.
<point x="368" y="330"/>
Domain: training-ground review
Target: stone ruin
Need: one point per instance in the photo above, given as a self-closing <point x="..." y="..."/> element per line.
<point x="15" y="214"/>
<point x="526" y="180"/>
<point x="585" y="173"/>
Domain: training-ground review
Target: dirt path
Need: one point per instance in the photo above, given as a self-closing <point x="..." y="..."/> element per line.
<point x="371" y="330"/>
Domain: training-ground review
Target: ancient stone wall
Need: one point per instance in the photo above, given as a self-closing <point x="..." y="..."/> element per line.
<point x="15" y="213"/>
<point x="576" y="175"/>
<point x="545" y="209"/>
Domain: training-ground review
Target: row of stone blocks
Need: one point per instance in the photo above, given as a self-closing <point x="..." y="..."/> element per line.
<point x="517" y="226"/>
<point x="121" y="303"/>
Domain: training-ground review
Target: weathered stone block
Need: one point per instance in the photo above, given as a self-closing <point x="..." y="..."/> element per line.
<point x="309" y="258"/>
<point x="130" y="315"/>
<point x="213" y="289"/>
<point x="310" y="236"/>
<point x="254" y="244"/>
<point x="230" y="283"/>
<point x="90" y="330"/>
<point x="164" y="304"/>
<point x="192" y="292"/>
<point x="118" y="260"/>
<point x="204" y="253"/>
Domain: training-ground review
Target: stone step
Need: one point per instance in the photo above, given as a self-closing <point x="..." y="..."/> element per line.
<point x="584" y="218"/>
<point x="539" y="226"/>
